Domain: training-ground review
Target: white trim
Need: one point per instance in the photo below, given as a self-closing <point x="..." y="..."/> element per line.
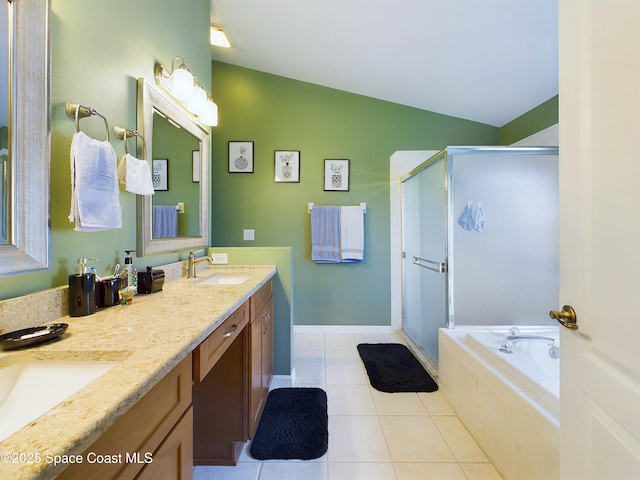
<point x="342" y="329"/>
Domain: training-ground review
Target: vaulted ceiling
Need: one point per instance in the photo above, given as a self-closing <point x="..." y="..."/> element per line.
<point x="488" y="61"/>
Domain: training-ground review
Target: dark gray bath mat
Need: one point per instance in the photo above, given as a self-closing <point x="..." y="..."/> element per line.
<point x="294" y="425"/>
<point x="392" y="368"/>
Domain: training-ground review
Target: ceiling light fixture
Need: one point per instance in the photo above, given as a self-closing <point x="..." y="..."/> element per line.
<point x="187" y="90"/>
<point x="218" y="37"/>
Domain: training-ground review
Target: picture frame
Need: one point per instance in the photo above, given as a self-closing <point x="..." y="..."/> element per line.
<point x="336" y="175"/>
<point x="195" y="166"/>
<point x="286" y="166"/>
<point x="160" y="174"/>
<point x="240" y="156"/>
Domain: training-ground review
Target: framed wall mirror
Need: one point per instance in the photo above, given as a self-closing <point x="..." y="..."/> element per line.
<point x="24" y="136"/>
<point x="176" y="217"/>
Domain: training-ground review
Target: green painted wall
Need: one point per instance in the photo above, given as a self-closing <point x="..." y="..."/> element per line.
<point x="98" y="50"/>
<point x="284" y="114"/>
<point x="539" y="118"/>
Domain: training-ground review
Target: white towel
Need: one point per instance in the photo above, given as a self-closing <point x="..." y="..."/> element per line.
<point x="95" y="201"/>
<point x="351" y="234"/>
<point x="325" y="234"/>
<point x="165" y="221"/>
<point x="136" y="175"/>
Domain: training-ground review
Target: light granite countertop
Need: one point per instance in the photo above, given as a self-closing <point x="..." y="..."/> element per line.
<point x="148" y="338"/>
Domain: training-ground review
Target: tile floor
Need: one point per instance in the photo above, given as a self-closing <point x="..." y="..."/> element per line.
<point x="372" y="435"/>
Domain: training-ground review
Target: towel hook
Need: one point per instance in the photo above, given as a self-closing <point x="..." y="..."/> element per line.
<point x="78" y="111"/>
<point x="124" y="134"/>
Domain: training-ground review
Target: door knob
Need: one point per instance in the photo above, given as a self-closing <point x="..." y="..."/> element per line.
<point x="566" y="318"/>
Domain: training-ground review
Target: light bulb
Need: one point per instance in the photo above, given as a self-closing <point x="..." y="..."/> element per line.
<point x="182" y="87"/>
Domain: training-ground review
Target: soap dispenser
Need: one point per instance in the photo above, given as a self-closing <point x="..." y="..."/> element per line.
<point x="82" y="290"/>
<point x="129" y="273"/>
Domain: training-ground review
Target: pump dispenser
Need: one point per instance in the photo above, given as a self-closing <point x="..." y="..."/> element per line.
<point x="82" y="290"/>
<point x="129" y="273"/>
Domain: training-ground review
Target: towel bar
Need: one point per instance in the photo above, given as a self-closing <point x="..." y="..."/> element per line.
<point x="362" y="204"/>
<point x="124" y="133"/>
<point x="77" y="111"/>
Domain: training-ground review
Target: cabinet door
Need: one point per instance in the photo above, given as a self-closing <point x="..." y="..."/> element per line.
<point x="255" y="375"/>
<point x="267" y="348"/>
<point x="174" y="459"/>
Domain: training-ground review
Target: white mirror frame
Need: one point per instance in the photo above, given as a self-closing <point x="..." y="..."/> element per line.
<point x="151" y="99"/>
<point x="28" y="250"/>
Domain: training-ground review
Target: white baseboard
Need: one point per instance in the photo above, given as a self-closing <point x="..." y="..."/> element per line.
<point x="279" y="381"/>
<point x="342" y="329"/>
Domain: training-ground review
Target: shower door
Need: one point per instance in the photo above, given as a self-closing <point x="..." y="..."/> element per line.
<point x="424" y="236"/>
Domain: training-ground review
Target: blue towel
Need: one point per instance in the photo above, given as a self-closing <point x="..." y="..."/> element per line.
<point x="95" y="196"/>
<point x="164" y="223"/>
<point x="325" y="234"/>
<point x="467" y="217"/>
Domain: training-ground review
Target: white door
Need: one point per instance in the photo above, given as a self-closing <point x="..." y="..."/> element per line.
<point x="600" y="238"/>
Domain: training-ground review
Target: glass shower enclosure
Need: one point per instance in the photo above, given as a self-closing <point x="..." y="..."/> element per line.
<point x="479" y="240"/>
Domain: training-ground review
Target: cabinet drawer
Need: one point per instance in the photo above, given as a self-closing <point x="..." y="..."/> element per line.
<point x="139" y="431"/>
<point x="259" y="298"/>
<point x="210" y="350"/>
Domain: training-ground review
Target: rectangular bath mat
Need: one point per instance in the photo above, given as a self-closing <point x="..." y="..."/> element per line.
<point x="294" y="425"/>
<point x="393" y="368"/>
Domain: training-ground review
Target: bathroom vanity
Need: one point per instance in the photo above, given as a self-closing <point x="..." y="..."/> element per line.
<point x="194" y="363"/>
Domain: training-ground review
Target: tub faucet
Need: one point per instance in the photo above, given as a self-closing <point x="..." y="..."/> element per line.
<point x="192" y="262"/>
<point x="507" y="344"/>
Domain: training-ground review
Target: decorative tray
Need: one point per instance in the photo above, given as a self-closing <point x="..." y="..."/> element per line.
<point x="32" y="336"/>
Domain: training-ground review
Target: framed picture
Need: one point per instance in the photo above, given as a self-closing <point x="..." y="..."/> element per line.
<point x="287" y="166"/>
<point x="240" y="157"/>
<point x="195" y="166"/>
<point x="336" y="175"/>
<point x="160" y="174"/>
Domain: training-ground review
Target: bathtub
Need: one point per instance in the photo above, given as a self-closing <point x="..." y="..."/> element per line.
<point x="530" y="365"/>
<point x="509" y="402"/>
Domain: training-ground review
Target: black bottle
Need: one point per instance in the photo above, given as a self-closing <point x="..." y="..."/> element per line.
<point x="82" y="291"/>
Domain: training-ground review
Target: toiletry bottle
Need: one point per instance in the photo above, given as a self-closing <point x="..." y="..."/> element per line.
<point x="129" y="273"/>
<point x="82" y="290"/>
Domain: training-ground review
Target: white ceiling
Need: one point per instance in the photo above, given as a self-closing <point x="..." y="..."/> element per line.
<point x="483" y="60"/>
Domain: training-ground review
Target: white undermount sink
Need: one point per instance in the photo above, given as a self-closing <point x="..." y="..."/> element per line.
<point x="29" y="389"/>
<point x="220" y="279"/>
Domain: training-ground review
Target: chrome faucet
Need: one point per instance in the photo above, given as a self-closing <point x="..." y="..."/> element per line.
<point x="192" y="262"/>
<point x="507" y="344"/>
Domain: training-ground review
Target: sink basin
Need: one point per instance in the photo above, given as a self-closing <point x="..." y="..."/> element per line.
<point x="217" y="279"/>
<point x="29" y="389"/>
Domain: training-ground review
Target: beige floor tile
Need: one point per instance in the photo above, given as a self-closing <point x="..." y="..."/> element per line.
<point x="333" y="339"/>
<point x="398" y="403"/>
<point x="341" y="353"/>
<point x="278" y="470"/>
<point x="415" y="439"/>
<point x="356" y="439"/>
<point x="346" y="373"/>
<point x="480" y="471"/>
<point x="436" y="403"/>
<point x="310" y="372"/>
<point x="460" y="441"/>
<point x="361" y="471"/>
<point x="242" y="471"/>
<point x="350" y="400"/>
<point x="431" y="471"/>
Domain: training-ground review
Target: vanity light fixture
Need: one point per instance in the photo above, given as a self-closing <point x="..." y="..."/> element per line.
<point x="219" y="38"/>
<point x="187" y="90"/>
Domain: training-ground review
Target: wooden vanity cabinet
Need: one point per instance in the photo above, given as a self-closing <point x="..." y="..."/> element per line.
<point x="260" y="352"/>
<point x="153" y="440"/>
<point x="220" y="392"/>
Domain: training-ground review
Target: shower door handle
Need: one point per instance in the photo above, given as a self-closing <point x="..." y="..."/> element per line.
<point x="440" y="267"/>
<point x="566" y="318"/>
